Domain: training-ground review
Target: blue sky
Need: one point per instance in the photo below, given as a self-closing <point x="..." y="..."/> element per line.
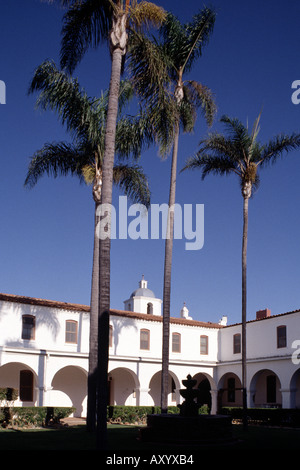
<point x="46" y="234"/>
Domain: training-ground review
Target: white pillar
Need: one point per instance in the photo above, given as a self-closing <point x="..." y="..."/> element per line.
<point x="214" y="398"/>
<point x="286" y="398"/>
<point x="42" y="377"/>
<point x="143" y="396"/>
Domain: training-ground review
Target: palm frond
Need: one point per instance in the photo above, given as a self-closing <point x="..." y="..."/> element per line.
<point x="184" y="43"/>
<point x="126" y="94"/>
<point x="63" y="94"/>
<point x="239" y="152"/>
<point x="55" y="159"/>
<point x="235" y="128"/>
<point x="174" y="40"/>
<point x="132" y="180"/>
<point x="201" y="96"/>
<point x="145" y="15"/>
<point x="219" y="146"/>
<point x="85" y="25"/>
<point x="277" y="146"/>
<point x="155" y="68"/>
<point x="199" y="31"/>
<point x="148" y="68"/>
<point x="67" y="3"/>
<point x="256" y="128"/>
<point x="188" y="114"/>
<point x="134" y="134"/>
<point x="219" y="165"/>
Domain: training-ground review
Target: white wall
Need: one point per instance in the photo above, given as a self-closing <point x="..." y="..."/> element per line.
<point x="261" y="337"/>
<point x="49" y="327"/>
<point x="136" y="372"/>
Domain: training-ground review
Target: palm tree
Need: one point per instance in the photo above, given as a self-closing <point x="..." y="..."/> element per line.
<point x="240" y="153"/>
<point x="87" y="23"/>
<point x="158" y="71"/>
<point x="85" y="119"/>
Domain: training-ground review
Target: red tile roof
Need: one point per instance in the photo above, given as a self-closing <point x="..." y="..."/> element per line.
<point x="43" y="302"/>
<point x="159" y="318"/>
<point x="84" y="308"/>
<point x="143" y="316"/>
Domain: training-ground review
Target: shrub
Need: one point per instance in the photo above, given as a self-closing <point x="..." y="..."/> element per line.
<point x="8" y="394"/>
<point x="266" y="416"/>
<point x="35" y="416"/>
<point x="134" y="414"/>
<point x="204" y="410"/>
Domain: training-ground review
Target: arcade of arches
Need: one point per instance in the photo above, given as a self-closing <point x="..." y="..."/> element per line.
<point x="68" y="385"/>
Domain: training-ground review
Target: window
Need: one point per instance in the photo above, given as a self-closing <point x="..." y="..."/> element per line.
<point x="71" y="331"/>
<point x="203" y="344"/>
<point x="28" y="327"/>
<point x="176" y="342"/>
<point x="110" y="336"/>
<point x="145" y="339"/>
<point x="26" y="385"/>
<point x="150" y="308"/>
<point x="236" y="343"/>
<point x="281" y="336"/>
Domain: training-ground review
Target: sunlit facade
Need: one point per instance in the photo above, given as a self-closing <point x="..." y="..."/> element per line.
<point x="44" y="348"/>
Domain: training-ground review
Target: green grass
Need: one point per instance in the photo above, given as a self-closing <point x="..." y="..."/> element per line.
<point x="123" y="438"/>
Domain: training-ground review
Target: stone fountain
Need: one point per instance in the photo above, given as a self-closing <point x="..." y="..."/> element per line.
<point x="187" y="428"/>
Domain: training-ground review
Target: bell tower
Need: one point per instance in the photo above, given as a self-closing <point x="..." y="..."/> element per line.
<point x="143" y="300"/>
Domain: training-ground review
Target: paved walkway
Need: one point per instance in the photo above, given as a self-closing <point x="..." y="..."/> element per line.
<point x="73" y="421"/>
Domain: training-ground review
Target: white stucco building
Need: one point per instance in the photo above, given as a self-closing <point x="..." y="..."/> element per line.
<point x="44" y="354"/>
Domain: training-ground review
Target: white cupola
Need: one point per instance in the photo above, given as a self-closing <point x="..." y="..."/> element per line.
<point x="143" y="300"/>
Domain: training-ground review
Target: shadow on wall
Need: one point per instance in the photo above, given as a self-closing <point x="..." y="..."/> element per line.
<point x="119" y="326"/>
<point x="42" y="317"/>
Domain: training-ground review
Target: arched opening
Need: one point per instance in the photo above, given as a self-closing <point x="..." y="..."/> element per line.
<point x="173" y="389"/>
<point x="150" y="308"/>
<point x="229" y="391"/>
<point x="69" y="388"/>
<point x="21" y="377"/>
<point x="295" y="390"/>
<point x="204" y="385"/>
<point x="123" y="387"/>
<point x="265" y="390"/>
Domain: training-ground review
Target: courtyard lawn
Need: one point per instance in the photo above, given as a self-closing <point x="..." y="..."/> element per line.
<point x="125" y="438"/>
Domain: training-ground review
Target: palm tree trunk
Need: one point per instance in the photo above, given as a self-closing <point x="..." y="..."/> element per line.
<point x="167" y="278"/>
<point x="93" y="344"/>
<point x="104" y="252"/>
<point x="244" y="308"/>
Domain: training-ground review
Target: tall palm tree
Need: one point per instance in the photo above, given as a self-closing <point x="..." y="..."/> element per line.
<point x="85" y="118"/>
<point x="158" y="73"/>
<point x="86" y="24"/>
<point x="240" y="153"/>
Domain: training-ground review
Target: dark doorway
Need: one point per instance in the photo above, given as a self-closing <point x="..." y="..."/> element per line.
<point x="204" y="397"/>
